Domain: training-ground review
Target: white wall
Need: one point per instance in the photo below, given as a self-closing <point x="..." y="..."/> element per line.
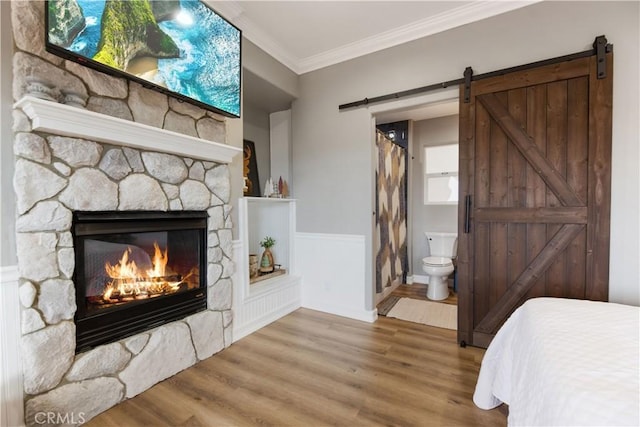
<point x="11" y="388"/>
<point x="332" y="268"/>
<point x="332" y="153"/>
<point x="280" y="137"/>
<point x="444" y="218"/>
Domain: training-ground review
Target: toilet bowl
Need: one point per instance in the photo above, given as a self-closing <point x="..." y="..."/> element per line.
<point x="438" y="269"/>
<point x="439" y="265"/>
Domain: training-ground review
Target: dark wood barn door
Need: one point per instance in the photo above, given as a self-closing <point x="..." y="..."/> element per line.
<point x="535" y="156"/>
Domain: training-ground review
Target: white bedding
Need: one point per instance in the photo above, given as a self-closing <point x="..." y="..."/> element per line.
<point x="564" y="362"/>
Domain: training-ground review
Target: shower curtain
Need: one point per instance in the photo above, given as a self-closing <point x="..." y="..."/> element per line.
<point x="391" y="213"/>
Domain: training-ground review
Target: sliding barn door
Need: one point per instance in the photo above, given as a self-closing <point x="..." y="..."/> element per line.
<point x="535" y="158"/>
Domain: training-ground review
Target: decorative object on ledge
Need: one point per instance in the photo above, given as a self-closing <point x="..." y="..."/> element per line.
<point x="268" y="188"/>
<point x="266" y="263"/>
<point x="279" y="190"/>
<point x="253" y="266"/>
<point x="74" y="99"/>
<point x="250" y="169"/>
<point x="60" y="119"/>
<point x="41" y="89"/>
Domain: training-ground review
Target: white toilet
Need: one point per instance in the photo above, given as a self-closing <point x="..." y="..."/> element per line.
<point x="439" y="265"/>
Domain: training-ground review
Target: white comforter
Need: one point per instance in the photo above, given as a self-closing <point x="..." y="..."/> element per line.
<point x="563" y="362"/>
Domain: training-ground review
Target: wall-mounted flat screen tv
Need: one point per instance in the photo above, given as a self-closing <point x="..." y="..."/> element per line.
<point x="179" y="47"/>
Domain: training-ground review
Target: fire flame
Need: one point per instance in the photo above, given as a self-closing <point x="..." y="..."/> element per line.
<point x="159" y="262"/>
<point x="129" y="281"/>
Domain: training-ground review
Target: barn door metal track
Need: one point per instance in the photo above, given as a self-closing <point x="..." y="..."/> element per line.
<point x="600" y="49"/>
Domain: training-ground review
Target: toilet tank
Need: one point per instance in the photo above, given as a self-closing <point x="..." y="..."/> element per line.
<point x="442" y="244"/>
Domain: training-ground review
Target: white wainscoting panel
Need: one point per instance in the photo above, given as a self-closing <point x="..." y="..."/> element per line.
<point x="11" y="385"/>
<point x="332" y="267"/>
<point x="257" y="305"/>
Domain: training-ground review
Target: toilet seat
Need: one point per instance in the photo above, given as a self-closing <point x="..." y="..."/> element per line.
<point x="437" y="261"/>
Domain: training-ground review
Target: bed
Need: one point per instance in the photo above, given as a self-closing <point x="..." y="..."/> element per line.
<point x="565" y="362"/>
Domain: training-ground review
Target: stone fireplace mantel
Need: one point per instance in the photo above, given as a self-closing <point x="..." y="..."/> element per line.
<point x="61" y="119"/>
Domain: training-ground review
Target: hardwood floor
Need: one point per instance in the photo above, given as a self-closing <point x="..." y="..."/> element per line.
<point x="316" y="369"/>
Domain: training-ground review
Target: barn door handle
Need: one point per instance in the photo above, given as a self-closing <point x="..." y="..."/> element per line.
<point x="467" y="213"/>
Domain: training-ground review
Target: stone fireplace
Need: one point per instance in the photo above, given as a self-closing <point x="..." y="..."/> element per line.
<point x="130" y="151"/>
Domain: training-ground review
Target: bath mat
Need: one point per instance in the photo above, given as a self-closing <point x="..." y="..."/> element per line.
<point x="386" y="305"/>
<point x="429" y="313"/>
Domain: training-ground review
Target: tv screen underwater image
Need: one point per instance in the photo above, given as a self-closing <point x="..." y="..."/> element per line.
<point x="180" y="47"/>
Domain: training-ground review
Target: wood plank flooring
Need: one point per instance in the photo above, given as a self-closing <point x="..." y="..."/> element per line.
<point x="316" y="369"/>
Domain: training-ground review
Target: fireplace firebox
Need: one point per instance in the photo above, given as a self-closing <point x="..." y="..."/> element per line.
<point x="135" y="271"/>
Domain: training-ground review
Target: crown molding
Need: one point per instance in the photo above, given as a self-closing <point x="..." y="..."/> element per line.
<point x="233" y="11"/>
<point x="264" y="41"/>
<point x="453" y="18"/>
<point x="465" y="14"/>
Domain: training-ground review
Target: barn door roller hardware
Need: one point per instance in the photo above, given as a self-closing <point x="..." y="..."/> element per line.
<point x="600" y="49"/>
<point x="468" y="74"/>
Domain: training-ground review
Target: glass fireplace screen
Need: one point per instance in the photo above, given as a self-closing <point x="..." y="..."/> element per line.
<point x="129" y="267"/>
<point x="136" y="270"/>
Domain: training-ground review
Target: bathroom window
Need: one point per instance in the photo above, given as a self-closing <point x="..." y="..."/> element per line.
<point x="441" y="174"/>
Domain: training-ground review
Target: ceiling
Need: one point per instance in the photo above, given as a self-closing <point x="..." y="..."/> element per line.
<point x="308" y="35"/>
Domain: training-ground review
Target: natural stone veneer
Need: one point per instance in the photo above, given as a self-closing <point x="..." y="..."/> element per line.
<point x="55" y="175"/>
<point x="48" y="296"/>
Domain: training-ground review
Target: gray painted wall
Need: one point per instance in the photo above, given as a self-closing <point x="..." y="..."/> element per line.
<point x="7" y="196"/>
<point x="264" y="66"/>
<point x="256" y="129"/>
<point x="267" y="68"/>
<point x="423" y="217"/>
<point x="333" y="151"/>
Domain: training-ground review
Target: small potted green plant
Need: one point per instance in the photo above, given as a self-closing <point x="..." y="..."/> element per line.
<point x="266" y="262"/>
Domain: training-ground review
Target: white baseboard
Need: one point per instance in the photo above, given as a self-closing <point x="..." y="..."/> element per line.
<point x="417" y="278"/>
<point x="369" y="316"/>
<point x="11" y="383"/>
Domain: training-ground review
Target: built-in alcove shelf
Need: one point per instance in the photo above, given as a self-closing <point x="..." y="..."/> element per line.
<point x="261" y="217"/>
<point x="257" y="304"/>
<point x="65" y="120"/>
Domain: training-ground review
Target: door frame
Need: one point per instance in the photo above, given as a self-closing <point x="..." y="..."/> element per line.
<point x="376" y="110"/>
